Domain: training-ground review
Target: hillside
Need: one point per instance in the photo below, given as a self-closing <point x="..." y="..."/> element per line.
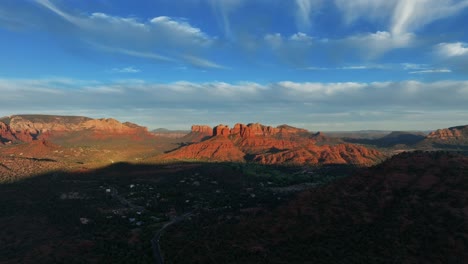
<point x="409" y="209"/>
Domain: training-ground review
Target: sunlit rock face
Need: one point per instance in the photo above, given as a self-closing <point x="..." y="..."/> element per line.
<point x="271" y="145"/>
<point x="26" y="128"/>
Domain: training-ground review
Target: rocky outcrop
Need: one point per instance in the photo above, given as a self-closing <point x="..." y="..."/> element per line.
<point x="272" y="145"/>
<point x="6" y="136"/>
<point x="255" y="130"/>
<point x="202" y="129"/>
<point x="27" y="128"/>
<point x="221" y="130"/>
<point x="450" y="137"/>
<point x="452" y="133"/>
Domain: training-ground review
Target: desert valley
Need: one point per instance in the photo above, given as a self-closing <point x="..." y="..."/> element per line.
<point x="77" y="189"/>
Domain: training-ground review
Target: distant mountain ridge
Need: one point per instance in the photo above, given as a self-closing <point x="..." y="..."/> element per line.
<point x="27" y="128"/>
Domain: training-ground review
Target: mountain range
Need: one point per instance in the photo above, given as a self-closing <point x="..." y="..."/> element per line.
<point x="82" y="142"/>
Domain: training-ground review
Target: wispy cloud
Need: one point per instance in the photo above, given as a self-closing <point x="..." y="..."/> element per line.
<point x="400" y="16"/>
<point x="161" y="38"/>
<point x="202" y="63"/>
<point x="431" y="71"/>
<point x="293" y="49"/>
<point x="223" y="10"/>
<point x="305" y="9"/>
<point x="352" y="67"/>
<point x="410" y="16"/>
<point x="130" y="69"/>
<point x="133" y="53"/>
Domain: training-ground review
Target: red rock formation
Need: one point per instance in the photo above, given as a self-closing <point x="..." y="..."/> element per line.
<point x="31" y="127"/>
<point x="450" y="136"/>
<point x="256" y="130"/>
<point x="214" y="149"/>
<point x="269" y="145"/>
<point x="339" y="154"/>
<point x="449" y="133"/>
<point x="6" y="135"/>
<point x="221" y="130"/>
<point x="9" y="135"/>
<point x="203" y="129"/>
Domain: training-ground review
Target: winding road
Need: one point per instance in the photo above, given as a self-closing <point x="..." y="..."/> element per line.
<point x="155" y="240"/>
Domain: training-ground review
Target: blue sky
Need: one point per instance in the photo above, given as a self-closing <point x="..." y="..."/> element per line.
<point x="318" y="64"/>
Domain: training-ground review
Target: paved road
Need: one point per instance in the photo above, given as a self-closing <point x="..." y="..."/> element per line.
<point x="155" y="240"/>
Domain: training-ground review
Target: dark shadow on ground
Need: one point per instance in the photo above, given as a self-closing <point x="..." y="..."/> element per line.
<point x="110" y="214"/>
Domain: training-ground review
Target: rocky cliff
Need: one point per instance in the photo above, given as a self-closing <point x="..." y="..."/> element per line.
<point x="255" y="130"/>
<point x="450" y="135"/>
<point x="270" y="145"/>
<point x="26" y="128"/>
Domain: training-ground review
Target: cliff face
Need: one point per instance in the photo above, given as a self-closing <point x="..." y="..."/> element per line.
<point x="5" y="133"/>
<point x="270" y="145"/>
<point x="202" y="129"/>
<point x="27" y="128"/>
<point x="255" y="130"/>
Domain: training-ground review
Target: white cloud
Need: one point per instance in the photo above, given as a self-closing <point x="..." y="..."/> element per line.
<point x="301" y="37"/>
<point x="130" y="69"/>
<point x="452" y="55"/>
<point x="373" y="45"/>
<point x="452" y="49"/>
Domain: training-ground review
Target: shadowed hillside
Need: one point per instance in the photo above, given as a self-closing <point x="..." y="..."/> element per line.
<point x="410" y="209"/>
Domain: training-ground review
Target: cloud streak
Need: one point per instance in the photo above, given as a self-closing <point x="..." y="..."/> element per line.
<point x="161" y="39"/>
<point x="305" y="9"/>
